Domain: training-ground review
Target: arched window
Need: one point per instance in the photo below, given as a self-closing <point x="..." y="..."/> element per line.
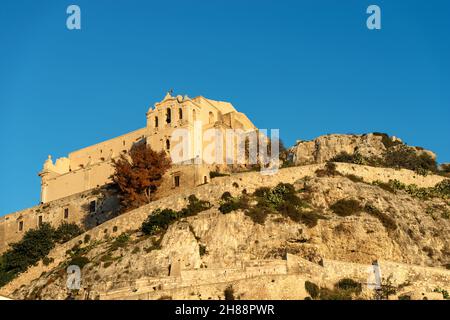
<point x="180" y="114"/>
<point x="168" y="115"/>
<point x="156" y="122"/>
<point x="194" y="115"/>
<point x="211" y="117"/>
<point x="167" y="144"/>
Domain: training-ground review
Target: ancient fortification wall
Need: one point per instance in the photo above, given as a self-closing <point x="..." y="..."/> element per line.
<point x="78" y="208"/>
<point x="188" y="281"/>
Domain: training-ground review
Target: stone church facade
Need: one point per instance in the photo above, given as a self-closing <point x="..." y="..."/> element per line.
<point x="68" y="184"/>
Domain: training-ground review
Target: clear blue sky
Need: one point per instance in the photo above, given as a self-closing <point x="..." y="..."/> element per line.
<point x="306" y="67"/>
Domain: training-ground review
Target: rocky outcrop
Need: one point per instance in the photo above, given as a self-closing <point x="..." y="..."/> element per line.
<point x="221" y="248"/>
<point x="326" y="147"/>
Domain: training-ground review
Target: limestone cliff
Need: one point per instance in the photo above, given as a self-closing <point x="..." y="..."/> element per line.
<point x="326" y="147"/>
<point x="199" y="256"/>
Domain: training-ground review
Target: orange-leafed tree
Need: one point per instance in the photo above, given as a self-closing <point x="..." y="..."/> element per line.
<point x="139" y="174"/>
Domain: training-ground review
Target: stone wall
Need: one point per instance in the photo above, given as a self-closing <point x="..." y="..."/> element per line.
<point x="370" y="174"/>
<point x="73" y="209"/>
<point x="189" y="281"/>
<point x="332" y="271"/>
<point x="107" y="204"/>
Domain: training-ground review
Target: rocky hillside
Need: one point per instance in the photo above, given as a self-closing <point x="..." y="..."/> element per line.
<point x="369" y="147"/>
<point x="346" y="213"/>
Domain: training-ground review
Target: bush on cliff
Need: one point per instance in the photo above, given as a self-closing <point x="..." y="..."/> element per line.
<point x="349" y="285"/>
<point x="283" y="200"/>
<point x="355" y="158"/>
<point x="329" y="170"/>
<point x="312" y="289"/>
<point x="159" y="220"/>
<point x="407" y="158"/>
<point x="34" y="246"/>
<point x="440" y="190"/>
<point x="396" y="156"/>
<point x="229" y="203"/>
<point x="229" y="293"/>
<point x="67" y="231"/>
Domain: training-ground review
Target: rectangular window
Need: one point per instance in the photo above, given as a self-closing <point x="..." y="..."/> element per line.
<point x="177" y="181"/>
<point x="92" y="206"/>
<point x="66" y="213"/>
<point x="40" y="221"/>
<point x="20" y="225"/>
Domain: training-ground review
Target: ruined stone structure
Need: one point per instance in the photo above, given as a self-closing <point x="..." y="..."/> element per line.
<point x="68" y="185"/>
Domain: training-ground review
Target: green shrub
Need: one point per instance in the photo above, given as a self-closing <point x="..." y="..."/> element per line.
<point x="386" y="289"/>
<point x="229" y="293"/>
<point x="46" y="261"/>
<point x="228" y="206"/>
<point x="276" y="196"/>
<point x="445" y="293"/>
<point x="345" y="157"/>
<point x="346" y="207"/>
<point x="159" y="220"/>
<point x="328" y="171"/>
<point x="229" y="203"/>
<point x="283" y="200"/>
<point x="202" y="250"/>
<point x="262" y="192"/>
<point x="443" y="188"/>
<point x="349" y="285"/>
<point x="121" y="241"/>
<point x="87" y="238"/>
<point x="440" y="190"/>
<point x="226" y="196"/>
<point x="406" y="157"/>
<point x="67" y="231"/>
<point x="344" y="289"/>
<point x="79" y="261"/>
<point x="194" y="206"/>
<point x="404" y="297"/>
<point x="312" y="289"/>
<point x="215" y="174"/>
<point x="34" y="246"/>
